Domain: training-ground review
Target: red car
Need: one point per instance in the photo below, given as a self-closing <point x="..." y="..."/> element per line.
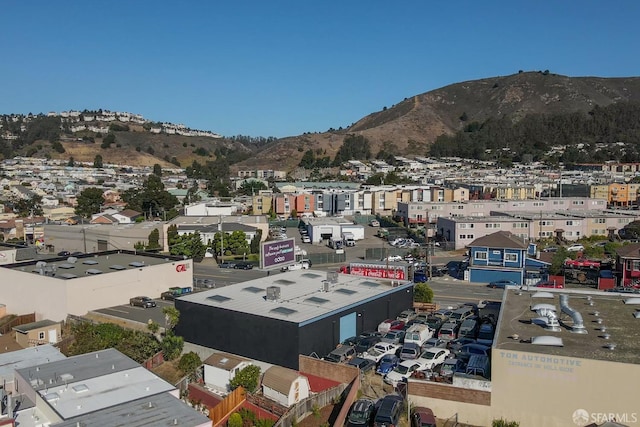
<point x="390" y="325"/>
<point x="422" y="417"/>
<point x="547" y="284"/>
<point x="582" y="263"/>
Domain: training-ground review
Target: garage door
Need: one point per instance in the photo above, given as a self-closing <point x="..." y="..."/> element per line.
<point x="347" y="326"/>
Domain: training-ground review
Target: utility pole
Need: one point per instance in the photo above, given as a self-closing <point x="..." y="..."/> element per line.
<point x="84" y="239"/>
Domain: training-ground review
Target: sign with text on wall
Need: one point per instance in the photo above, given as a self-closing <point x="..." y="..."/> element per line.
<point x="277" y="253"/>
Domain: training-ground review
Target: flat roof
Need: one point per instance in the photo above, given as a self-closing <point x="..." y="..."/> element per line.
<point x="617" y="317"/>
<point x="32" y="356"/>
<point x="91" y="382"/>
<point x="158" y="410"/>
<point x="34" y="325"/>
<point x="66" y="268"/>
<point x="301" y="297"/>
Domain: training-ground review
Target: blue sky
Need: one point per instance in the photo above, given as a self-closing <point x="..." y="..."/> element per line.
<point x="281" y="68"/>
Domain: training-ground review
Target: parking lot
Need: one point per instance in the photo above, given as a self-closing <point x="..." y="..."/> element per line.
<point x="137" y="314"/>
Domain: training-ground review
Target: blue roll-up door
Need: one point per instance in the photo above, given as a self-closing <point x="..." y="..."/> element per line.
<point x="347" y="326"/>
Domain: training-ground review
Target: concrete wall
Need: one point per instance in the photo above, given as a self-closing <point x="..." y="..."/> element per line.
<point x="537" y="389"/>
<point x="321" y="368"/>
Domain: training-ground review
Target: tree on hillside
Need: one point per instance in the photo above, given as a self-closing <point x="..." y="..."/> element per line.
<point x="251" y="186"/>
<point x="157" y="170"/>
<point x="89" y="202"/>
<point x="354" y="147"/>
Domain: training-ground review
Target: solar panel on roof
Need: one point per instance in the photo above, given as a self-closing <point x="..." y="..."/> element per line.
<point x="218" y="298"/>
<point x="117" y="267"/>
<point x="90" y="262"/>
<point x="67" y="276"/>
<point x="93" y="271"/>
<point x="345" y="291"/>
<point x="311" y="275"/>
<point x="317" y="300"/>
<point x="66" y="266"/>
<point x="137" y="264"/>
<point x="283" y="310"/>
<point x="284" y="282"/>
<point x="253" y="289"/>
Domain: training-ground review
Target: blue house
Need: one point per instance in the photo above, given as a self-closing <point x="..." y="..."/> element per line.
<point x="497" y="256"/>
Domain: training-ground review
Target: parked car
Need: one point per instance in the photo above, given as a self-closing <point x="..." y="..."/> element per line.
<point x="448" y="331"/>
<point x="451" y="366"/>
<point x="461" y="314"/>
<point x="407" y="315"/>
<point x="387" y="364"/>
<point x="550" y="249"/>
<point x="468" y="328"/>
<point x="365" y="365"/>
<point x="227" y="264"/>
<point x="390" y="325"/>
<point x="402" y="372"/>
<point x="388" y="411"/>
<point x="306" y="239"/>
<point x="443" y="314"/>
<point x="434" y="322"/>
<point x="361" y="413"/>
<point x="432" y="357"/>
<point x="466" y="351"/>
<point x="502" y="284"/>
<point x="456" y="344"/>
<point x="341" y="354"/>
<point x="410" y="351"/>
<point x="64" y="253"/>
<point x="576" y="247"/>
<point x="378" y="351"/>
<point x="302" y="265"/>
<point x="243" y="265"/>
<point x="392" y="258"/>
<point x="77" y="253"/>
<point x="422" y="417"/>
<point x="435" y="342"/>
<point x="144" y="302"/>
<point x="365" y="343"/>
<point x="394" y="337"/>
<point x="486" y="334"/>
<point x="374" y="223"/>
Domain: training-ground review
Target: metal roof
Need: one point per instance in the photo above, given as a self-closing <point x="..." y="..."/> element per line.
<point x="32" y="356"/>
<point x="302" y="299"/>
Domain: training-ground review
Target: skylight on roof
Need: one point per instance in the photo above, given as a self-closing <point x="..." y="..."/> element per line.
<point x="346" y="291"/>
<point x="137" y="264"/>
<point x="80" y="388"/>
<point x="218" y="298"/>
<point x="370" y="283"/>
<point x="51" y="397"/>
<point x="311" y="275"/>
<point x="93" y="271"/>
<point x="317" y="300"/>
<point x="90" y="262"/>
<point x="253" y="289"/>
<point x="283" y="310"/>
<point x="66" y="266"/>
<point x="117" y="267"/>
<point x="66" y="377"/>
<point x="284" y="282"/>
<point x="66" y="276"/>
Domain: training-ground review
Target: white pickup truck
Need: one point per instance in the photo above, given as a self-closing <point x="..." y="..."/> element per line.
<point x="302" y="265"/>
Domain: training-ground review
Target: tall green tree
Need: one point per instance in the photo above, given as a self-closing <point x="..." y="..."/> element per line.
<point x="97" y="161"/>
<point x="247" y="378"/>
<point x="152" y="198"/>
<point x="189" y="245"/>
<point x="28" y="207"/>
<point x="89" y="202"/>
<point x="157" y="170"/>
<point x="154" y="239"/>
<point x="251" y="187"/>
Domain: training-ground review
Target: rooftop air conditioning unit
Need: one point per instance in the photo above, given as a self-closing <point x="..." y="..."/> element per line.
<point x="332" y="276"/>
<point x="325" y="286"/>
<point x="273" y="293"/>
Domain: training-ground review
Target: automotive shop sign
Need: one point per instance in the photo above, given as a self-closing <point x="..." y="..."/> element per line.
<point x="277" y="253"/>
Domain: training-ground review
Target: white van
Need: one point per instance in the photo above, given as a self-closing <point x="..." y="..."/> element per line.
<point x="418" y="334"/>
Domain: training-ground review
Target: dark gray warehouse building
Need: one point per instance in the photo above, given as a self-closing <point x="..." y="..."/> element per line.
<point x="276" y="318"/>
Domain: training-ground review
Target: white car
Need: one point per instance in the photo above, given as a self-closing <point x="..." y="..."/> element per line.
<point x="380" y="350"/>
<point x="432" y="357"/>
<point x="575" y="248"/>
<point x="392" y="258"/>
<point x="306" y="239"/>
<point x="402" y="372"/>
<point x="296" y="266"/>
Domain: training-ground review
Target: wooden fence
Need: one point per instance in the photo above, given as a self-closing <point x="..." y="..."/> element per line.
<point x="219" y="413"/>
<point x="305" y="407"/>
<point x="154" y="361"/>
<point x="22" y="319"/>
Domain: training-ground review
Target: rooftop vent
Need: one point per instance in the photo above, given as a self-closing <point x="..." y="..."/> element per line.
<point x="542" y="295"/>
<point x="578" y="324"/>
<point x="636" y="314"/>
<point x="325" y="286"/>
<point x="610" y="346"/>
<point x="332" y="276"/>
<point x="605" y="336"/>
<point x="632" y="301"/>
<point x="273" y="293"/>
<point x="547" y="340"/>
<point x="548" y="307"/>
<point x="72" y="260"/>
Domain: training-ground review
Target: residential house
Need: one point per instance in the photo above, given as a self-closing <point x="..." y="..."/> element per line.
<point x="497" y="256"/>
<point x="284" y="386"/>
<point x="628" y="264"/>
